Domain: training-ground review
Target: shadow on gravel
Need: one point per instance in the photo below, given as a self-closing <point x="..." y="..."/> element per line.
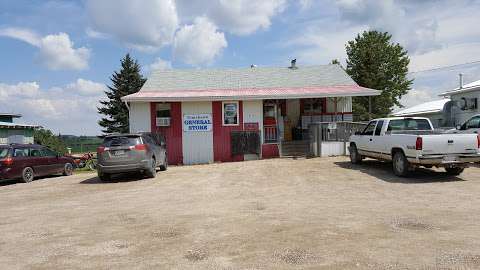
<point x="17" y="181"/>
<point x="383" y="171"/>
<point x="118" y="178"/>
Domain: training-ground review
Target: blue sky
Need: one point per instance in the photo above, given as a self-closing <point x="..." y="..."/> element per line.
<point x="57" y="56"/>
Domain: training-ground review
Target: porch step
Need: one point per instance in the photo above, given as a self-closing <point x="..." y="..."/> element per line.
<point x="295" y="149"/>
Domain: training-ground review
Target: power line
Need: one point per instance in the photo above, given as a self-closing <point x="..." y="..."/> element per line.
<point x="444" y="67"/>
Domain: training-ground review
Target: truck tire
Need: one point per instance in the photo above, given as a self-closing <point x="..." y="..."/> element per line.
<point x="152" y="171"/>
<point x="28" y="175"/>
<point x="164" y="166"/>
<point x="400" y="164"/>
<point x="454" y="170"/>
<point x="355" y="157"/>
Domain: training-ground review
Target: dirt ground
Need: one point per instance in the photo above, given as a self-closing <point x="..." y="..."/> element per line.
<point x="271" y="214"/>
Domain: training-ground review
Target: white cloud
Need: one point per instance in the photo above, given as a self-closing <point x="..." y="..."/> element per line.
<point x="240" y="17"/>
<point x="145" y="25"/>
<point x="67" y="109"/>
<point x="56" y="52"/>
<point x="160" y="64"/>
<point x="199" y="43"/>
<point x="86" y="88"/>
<point x="25" y="35"/>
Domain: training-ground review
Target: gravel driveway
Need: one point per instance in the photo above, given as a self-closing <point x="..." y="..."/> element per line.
<point x="319" y="213"/>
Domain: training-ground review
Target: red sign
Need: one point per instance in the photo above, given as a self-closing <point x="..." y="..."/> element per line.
<point x="250" y="126"/>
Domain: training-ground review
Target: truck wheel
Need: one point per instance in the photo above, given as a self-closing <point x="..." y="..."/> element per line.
<point x="400" y="164"/>
<point x="27" y="175"/>
<point x="152" y="171"/>
<point x="104" y="177"/>
<point x="355" y="157"/>
<point x="164" y="166"/>
<point x="454" y="170"/>
<point x="67" y="169"/>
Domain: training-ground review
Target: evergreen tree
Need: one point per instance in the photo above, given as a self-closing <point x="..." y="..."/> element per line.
<point x="124" y="82"/>
<point x="374" y="62"/>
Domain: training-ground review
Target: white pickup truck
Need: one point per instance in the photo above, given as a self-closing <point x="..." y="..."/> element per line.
<point x="412" y="142"/>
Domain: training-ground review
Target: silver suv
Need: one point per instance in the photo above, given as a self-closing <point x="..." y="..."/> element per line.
<point x="142" y="152"/>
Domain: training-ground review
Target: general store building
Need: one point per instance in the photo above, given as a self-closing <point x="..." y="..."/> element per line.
<point x="221" y="115"/>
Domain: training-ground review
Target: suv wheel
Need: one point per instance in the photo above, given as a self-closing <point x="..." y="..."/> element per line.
<point x="164" y="166"/>
<point x="67" y="169"/>
<point x="104" y="177"/>
<point x="400" y="164"/>
<point x="454" y="170"/>
<point x="152" y="171"/>
<point x="27" y="175"/>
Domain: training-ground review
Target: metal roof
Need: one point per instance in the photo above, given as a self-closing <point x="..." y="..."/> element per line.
<point x="473" y="86"/>
<point x="13" y="115"/>
<point x="427" y="107"/>
<point x="248" y="83"/>
<point x="17" y="125"/>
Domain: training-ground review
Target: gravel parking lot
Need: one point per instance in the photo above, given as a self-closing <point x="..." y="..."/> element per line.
<point x="269" y="214"/>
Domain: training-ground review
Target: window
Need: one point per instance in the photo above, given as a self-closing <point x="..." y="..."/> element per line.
<point x="473" y="123"/>
<point x="379" y="127"/>
<point x="35" y="153"/>
<point x="269" y="110"/>
<point x="45" y="152"/>
<point x="369" y="129"/>
<point x="121" y="141"/>
<point x="3" y="152"/>
<point x="409" y="124"/>
<point x="163" y="110"/>
<point x="313" y="106"/>
<point x="20" y="152"/>
<point x="230" y="113"/>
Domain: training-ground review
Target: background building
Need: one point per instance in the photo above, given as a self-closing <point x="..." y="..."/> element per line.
<point x="11" y="132"/>
<point x="211" y="115"/>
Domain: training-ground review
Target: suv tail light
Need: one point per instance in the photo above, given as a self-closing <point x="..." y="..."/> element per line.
<point x="7" y="161"/>
<point x="141" y="147"/>
<point x="478" y="141"/>
<point x="419" y="143"/>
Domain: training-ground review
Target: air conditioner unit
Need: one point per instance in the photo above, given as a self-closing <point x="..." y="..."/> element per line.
<point x="163" y="121"/>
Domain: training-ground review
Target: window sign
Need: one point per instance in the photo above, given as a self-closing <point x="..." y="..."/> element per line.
<point x="197" y="122"/>
<point x="230" y="113"/>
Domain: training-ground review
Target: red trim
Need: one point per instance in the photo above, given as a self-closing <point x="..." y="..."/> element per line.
<point x="222" y="151"/>
<point x="173" y="133"/>
<point x="270" y="151"/>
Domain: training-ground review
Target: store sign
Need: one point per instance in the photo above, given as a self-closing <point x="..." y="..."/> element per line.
<point x="197" y="122"/>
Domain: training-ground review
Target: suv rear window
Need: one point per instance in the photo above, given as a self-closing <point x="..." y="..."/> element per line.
<point x="121" y="141"/>
<point x="3" y="152"/>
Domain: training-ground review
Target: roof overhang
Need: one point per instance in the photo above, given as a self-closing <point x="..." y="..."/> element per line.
<point x="416" y="113"/>
<point x="250" y="94"/>
<point x="15" y="125"/>
<point x="460" y="91"/>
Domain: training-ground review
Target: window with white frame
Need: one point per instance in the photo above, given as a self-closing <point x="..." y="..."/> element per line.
<point x="230" y="113"/>
<point x="163" y="111"/>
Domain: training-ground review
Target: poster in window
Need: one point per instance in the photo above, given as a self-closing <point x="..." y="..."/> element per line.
<point x="230" y="113"/>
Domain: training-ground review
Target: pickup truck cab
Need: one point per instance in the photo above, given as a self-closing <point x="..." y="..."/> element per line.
<point x="412" y="142"/>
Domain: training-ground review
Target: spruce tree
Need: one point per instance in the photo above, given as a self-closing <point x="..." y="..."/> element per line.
<point x="124" y="82"/>
<point x="373" y="61"/>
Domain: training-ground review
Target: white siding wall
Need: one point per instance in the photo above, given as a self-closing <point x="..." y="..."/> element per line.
<point x="253" y="113"/>
<point x="344" y="104"/>
<point x="197" y="146"/>
<point x="139" y="117"/>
